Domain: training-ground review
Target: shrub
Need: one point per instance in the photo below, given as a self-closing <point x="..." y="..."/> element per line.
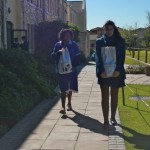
<point x="47" y="33"/>
<point x="21" y="86"/>
<point x="135" y="69"/>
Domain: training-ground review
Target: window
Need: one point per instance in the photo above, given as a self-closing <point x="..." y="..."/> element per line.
<point x="92" y="45"/>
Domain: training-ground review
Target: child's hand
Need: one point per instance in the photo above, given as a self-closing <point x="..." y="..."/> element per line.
<point x="61" y="50"/>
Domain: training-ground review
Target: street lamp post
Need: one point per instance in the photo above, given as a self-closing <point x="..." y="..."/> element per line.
<point x="4" y="25"/>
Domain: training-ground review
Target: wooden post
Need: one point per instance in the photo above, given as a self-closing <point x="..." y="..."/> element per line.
<point x="146" y="55"/>
<point x="138" y="54"/>
<point x="123" y="97"/>
<point x="133" y="52"/>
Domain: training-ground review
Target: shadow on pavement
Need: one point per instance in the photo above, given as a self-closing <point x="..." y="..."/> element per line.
<point x="14" y="138"/>
<point x="88" y="123"/>
<point x="139" y="111"/>
<point x="139" y="140"/>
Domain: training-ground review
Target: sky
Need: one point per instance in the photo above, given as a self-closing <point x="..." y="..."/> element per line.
<point x="125" y="13"/>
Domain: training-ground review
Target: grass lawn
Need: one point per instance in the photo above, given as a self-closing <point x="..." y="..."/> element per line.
<point x="142" y="55"/>
<point x="130" y="61"/>
<point x="135" y="118"/>
<point x="135" y="66"/>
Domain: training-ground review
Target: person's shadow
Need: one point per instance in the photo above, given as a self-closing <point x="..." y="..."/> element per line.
<point x="88" y="123"/>
<point x="139" y="140"/>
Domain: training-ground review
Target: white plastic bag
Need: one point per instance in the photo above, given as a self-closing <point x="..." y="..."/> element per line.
<point x="109" y="59"/>
<point x="64" y="64"/>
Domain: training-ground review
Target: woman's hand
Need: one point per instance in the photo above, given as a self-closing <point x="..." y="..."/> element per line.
<point x="103" y="75"/>
<point x="60" y="52"/>
<point x="116" y="74"/>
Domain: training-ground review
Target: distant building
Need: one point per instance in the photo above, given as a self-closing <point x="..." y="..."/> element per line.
<point x="77" y="15"/>
<point x="94" y="34"/>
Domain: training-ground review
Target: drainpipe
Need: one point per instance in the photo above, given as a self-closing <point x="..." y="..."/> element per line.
<point x="4" y="25"/>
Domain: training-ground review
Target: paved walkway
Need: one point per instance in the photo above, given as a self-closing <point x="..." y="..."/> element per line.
<point x="45" y="129"/>
<point x="138" y="79"/>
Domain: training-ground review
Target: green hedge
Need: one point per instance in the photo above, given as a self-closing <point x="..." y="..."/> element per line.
<point x="22" y="86"/>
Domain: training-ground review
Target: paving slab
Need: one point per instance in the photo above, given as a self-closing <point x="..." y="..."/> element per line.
<point x="58" y="145"/>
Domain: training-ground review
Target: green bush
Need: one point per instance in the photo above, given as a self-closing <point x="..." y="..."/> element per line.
<point x="22" y="86"/>
<point x="135" y="69"/>
<point x="47" y="33"/>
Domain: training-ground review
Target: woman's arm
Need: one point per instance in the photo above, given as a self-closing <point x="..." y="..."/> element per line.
<point x="56" y="53"/>
<point x="99" y="64"/>
<point x="120" y="59"/>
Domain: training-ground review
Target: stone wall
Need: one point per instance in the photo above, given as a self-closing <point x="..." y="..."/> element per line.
<point x="84" y="44"/>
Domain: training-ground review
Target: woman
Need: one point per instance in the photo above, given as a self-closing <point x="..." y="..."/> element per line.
<point x="110" y="49"/>
<point x="67" y="81"/>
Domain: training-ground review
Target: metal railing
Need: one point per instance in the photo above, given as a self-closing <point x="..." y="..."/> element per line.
<point x="140" y="98"/>
<point x="132" y="51"/>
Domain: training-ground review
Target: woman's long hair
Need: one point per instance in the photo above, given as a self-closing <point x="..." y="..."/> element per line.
<point x="116" y="32"/>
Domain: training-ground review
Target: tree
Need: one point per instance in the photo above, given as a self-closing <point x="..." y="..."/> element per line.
<point x="47" y="35"/>
<point x="147" y="32"/>
<point x="76" y="31"/>
<point x="45" y="39"/>
<point x="130" y="35"/>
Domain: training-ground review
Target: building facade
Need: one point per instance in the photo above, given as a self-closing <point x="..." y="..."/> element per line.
<point x="24" y="15"/>
<point x="77" y="16"/>
<point x="94" y="34"/>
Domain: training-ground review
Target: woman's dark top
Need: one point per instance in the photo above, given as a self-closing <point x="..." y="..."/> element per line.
<point x="120" y="58"/>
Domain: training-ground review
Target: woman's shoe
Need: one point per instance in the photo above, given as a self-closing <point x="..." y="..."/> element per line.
<point x="113" y="122"/>
<point x="62" y="111"/>
<point x="69" y="107"/>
